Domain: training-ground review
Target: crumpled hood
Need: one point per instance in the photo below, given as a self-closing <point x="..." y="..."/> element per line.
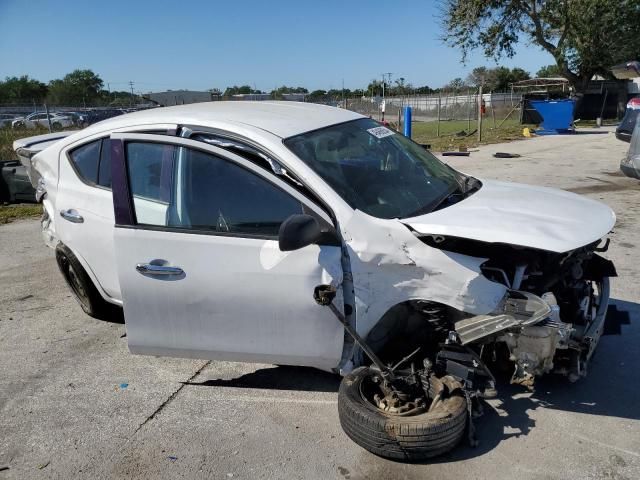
<point x="525" y="215"/>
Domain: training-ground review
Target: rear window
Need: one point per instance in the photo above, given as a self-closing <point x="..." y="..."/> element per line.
<point x="85" y="160"/>
<point x="92" y="162"/>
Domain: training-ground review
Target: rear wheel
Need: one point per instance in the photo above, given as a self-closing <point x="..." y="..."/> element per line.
<point x="83" y="288"/>
<point x="414" y="433"/>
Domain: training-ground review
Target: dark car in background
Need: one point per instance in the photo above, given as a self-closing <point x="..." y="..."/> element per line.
<point x="625" y="129"/>
<point x="15" y="185"/>
<point x="95" y="116"/>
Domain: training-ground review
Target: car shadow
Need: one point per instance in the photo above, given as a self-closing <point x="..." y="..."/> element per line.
<point x="590" y="132"/>
<point x="607" y="390"/>
<point x="281" y="377"/>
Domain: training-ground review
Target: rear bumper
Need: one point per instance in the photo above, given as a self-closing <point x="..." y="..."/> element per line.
<point x="624" y="136"/>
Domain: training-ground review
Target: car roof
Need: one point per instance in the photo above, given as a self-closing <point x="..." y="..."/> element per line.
<point x="284" y="119"/>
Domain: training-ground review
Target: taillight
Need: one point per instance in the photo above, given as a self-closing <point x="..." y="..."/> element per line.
<point x="634" y="103"/>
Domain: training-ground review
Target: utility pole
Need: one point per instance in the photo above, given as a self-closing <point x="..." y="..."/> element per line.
<point x="131" y="85"/>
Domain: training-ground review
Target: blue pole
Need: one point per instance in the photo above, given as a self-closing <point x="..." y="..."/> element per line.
<point x="407" y="121"/>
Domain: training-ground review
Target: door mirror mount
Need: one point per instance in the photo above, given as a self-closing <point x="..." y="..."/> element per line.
<point x="298" y="231"/>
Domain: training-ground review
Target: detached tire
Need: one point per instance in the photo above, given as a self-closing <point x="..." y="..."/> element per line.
<point x="82" y="287"/>
<point x="409" y="438"/>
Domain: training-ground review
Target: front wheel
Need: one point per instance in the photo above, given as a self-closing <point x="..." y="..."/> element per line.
<point x="412" y="435"/>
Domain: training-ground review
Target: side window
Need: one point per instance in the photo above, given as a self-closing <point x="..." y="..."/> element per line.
<point x="104" y="173"/>
<point x="207" y="193"/>
<point x="85" y="160"/>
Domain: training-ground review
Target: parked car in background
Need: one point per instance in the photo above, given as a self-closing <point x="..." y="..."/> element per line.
<point x="625" y="129"/>
<point x="80" y="119"/>
<point x="14" y="183"/>
<point x="302" y="234"/>
<point x="6" y="119"/>
<point x="40" y="119"/>
<point x="630" y="163"/>
<point x="97" y="115"/>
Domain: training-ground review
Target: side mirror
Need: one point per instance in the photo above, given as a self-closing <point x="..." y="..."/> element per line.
<point x="298" y="231"/>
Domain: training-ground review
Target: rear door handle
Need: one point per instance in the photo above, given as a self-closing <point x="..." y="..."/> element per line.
<point x="151" y="269"/>
<point x="72" y="216"/>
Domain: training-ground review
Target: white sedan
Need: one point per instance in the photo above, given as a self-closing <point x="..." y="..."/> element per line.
<point x="301" y="234"/>
<point x="40" y="120"/>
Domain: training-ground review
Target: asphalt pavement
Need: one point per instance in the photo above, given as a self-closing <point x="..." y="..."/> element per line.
<point x="75" y="404"/>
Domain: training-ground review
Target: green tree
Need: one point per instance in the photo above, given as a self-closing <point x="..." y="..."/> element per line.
<point x="549" y="71"/>
<point x="424" y="90"/>
<point x="76" y="88"/>
<point x="496" y="79"/>
<point x="456" y="84"/>
<point x="242" y="90"/>
<point x="401" y="87"/>
<point x="375" y="88"/>
<point x="278" y="92"/>
<point x="22" y="90"/>
<point x="585" y="37"/>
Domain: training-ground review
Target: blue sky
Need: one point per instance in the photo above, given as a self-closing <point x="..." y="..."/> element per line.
<point x="199" y="45"/>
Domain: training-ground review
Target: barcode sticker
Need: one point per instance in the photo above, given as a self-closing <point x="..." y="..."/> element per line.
<point x="380" y="132"/>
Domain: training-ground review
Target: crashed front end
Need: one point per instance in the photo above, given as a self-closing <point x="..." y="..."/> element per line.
<point x="506" y="307"/>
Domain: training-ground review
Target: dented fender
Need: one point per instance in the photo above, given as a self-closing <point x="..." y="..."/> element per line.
<point x="390" y="265"/>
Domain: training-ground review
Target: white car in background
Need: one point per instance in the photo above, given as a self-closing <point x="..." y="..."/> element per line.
<point x="40" y="119"/>
<point x="293" y="233"/>
<point x="6" y="119"/>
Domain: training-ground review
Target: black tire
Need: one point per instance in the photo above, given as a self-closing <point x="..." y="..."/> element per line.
<point x="57" y="125"/>
<point x="83" y="289"/>
<point x="407" y="438"/>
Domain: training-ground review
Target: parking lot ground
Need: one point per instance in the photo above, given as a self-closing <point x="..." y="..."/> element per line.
<point x="75" y="404"/>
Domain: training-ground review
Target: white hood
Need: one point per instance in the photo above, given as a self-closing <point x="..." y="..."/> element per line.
<point x="536" y="217"/>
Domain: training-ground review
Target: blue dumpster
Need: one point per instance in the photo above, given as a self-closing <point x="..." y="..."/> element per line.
<point x="557" y="116"/>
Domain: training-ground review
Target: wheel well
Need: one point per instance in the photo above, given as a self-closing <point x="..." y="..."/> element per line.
<point x="410" y="325"/>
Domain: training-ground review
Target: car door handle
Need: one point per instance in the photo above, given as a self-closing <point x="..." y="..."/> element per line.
<point x="72" y="216"/>
<point x="151" y="269"/>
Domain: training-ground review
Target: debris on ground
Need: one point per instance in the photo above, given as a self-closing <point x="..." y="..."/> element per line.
<point x="455" y="154"/>
<point x="506" y="155"/>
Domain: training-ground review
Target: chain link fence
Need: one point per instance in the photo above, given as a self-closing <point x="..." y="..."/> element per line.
<point x="444" y="107"/>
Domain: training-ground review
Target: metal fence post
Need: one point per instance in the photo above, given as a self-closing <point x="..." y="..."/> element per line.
<point x="493" y="112"/>
<point x="438" y="126"/>
<point x="480" y="114"/>
<point x="46" y="109"/>
<point x="468" y="110"/>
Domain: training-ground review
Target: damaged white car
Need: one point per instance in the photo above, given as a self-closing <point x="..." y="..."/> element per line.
<point x="300" y="234"/>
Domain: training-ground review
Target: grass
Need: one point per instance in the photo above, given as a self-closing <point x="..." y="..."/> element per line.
<point x="9" y="213"/>
<point x="452" y="137"/>
<point x="8" y="135"/>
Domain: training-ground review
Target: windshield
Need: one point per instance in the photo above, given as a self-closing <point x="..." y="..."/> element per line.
<point x="376" y="170"/>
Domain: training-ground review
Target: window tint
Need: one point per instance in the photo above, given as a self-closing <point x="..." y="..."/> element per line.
<point x="85" y="160"/>
<point x="104" y="175"/>
<point x="209" y="193"/>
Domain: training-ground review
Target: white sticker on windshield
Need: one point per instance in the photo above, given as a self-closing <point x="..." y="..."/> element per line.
<point x="380" y="132"/>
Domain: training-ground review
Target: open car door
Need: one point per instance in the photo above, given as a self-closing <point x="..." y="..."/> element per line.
<point x="200" y="271"/>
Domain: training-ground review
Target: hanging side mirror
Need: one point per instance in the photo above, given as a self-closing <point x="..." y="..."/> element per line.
<point x="298" y="231"/>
